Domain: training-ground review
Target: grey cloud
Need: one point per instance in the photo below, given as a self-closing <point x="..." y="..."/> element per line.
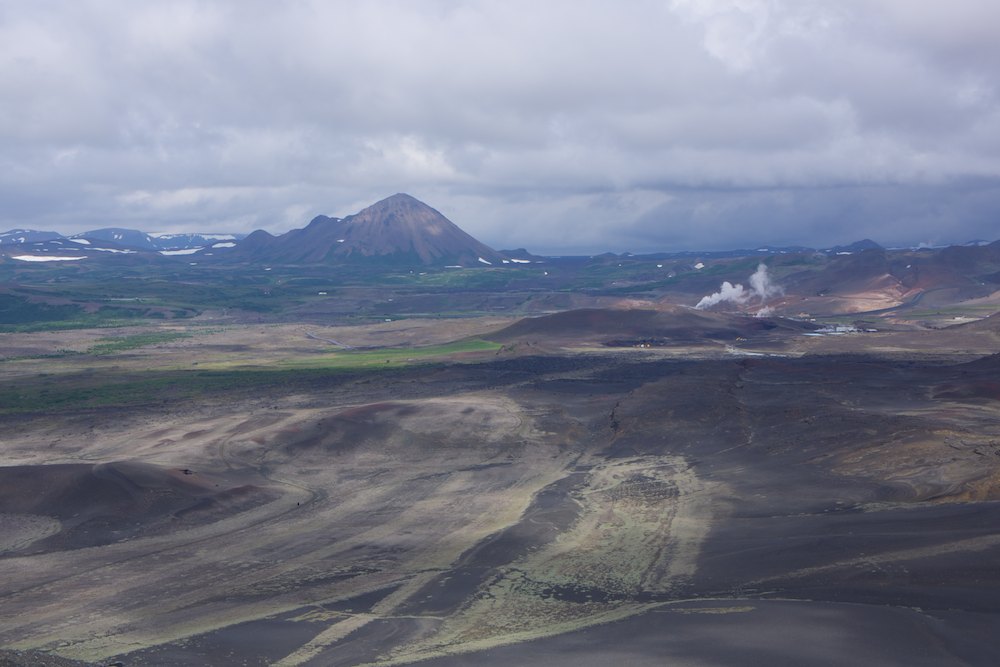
<point x="892" y="215"/>
<point x="580" y="125"/>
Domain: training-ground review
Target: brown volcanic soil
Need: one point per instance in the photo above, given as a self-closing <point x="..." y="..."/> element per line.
<point x="990" y="324"/>
<point x="36" y="659"/>
<point x="624" y="506"/>
<point x="634" y="327"/>
<point x="99" y="504"/>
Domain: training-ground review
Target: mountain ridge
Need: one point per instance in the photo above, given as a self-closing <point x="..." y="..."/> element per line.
<point x="399" y="229"/>
<point x="121" y="238"/>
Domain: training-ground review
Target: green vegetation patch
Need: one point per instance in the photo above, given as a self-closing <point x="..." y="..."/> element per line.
<point x="114" y="344"/>
<point x="364" y="359"/>
<point x="15" y="310"/>
<point x="18" y="314"/>
<point x="91" y="389"/>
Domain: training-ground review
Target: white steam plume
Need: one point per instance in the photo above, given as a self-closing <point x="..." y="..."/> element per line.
<point x="766" y="311"/>
<point x="728" y="292"/>
<point x="761" y="284"/>
<point x="761" y="287"/>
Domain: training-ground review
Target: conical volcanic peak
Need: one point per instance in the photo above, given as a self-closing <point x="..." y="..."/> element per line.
<point x="399" y="229"/>
<point x="404" y="214"/>
<point x="397" y="202"/>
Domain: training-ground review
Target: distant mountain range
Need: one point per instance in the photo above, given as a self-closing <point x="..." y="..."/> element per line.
<point x="117" y="238"/>
<point x="397" y="231"/>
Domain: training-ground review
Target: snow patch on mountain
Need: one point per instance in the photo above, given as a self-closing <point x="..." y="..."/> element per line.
<point x="45" y="258"/>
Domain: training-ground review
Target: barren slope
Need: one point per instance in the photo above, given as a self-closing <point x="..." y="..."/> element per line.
<point x="621" y="506"/>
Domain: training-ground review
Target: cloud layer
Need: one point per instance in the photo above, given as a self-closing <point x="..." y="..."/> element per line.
<point x="563" y="126"/>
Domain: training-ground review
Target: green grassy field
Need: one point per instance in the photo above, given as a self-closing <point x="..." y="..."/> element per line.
<point x="114" y="344"/>
<point x="367" y="359"/>
<point x="94" y="388"/>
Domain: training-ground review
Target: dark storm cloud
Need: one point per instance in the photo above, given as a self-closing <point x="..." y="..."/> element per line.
<point x="561" y="126"/>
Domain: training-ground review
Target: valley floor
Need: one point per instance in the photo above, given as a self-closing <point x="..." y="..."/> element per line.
<point x="257" y="496"/>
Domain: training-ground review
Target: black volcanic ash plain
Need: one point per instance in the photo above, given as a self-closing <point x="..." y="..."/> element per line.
<point x="553" y="493"/>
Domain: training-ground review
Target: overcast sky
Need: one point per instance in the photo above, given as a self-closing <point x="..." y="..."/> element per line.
<point x="561" y="126"/>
